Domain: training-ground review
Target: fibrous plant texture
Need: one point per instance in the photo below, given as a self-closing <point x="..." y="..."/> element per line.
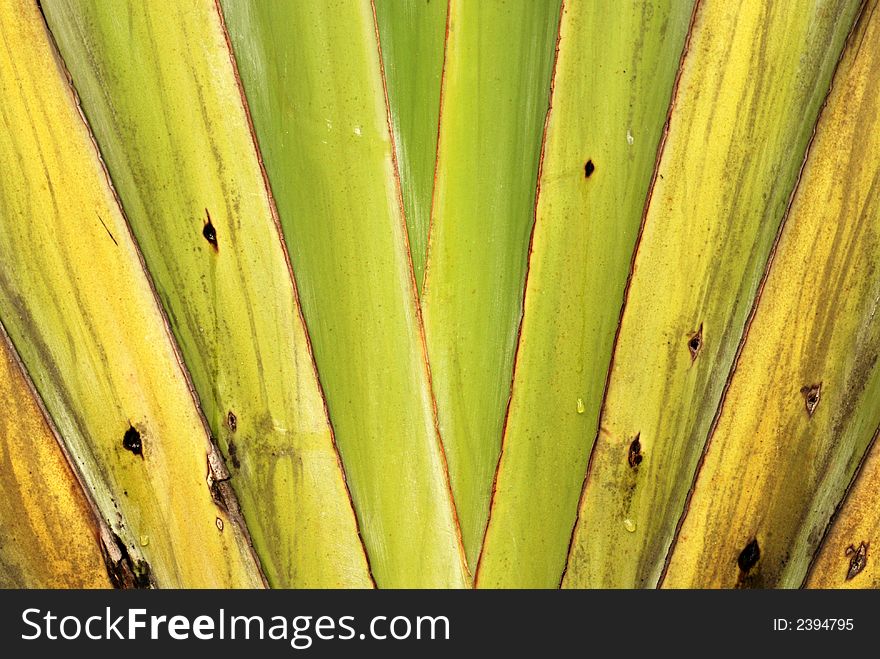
<point x="439" y="293"/>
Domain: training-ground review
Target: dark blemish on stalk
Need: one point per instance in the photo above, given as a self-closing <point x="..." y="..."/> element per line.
<point x="233" y="455"/>
<point x="209" y="232"/>
<point x="811" y="394"/>
<point x="124" y="572"/>
<point x="858" y="560"/>
<point x="107" y="230"/>
<point x="217" y="495"/>
<point x="634" y="457"/>
<point x="232" y="421"/>
<point x="749" y="556"/>
<point x="131" y="441"/>
<point x="695" y="343"/>
<point x="217" y="476"/>
<point x="143" y="574"/>
<point x="589" y="168"/>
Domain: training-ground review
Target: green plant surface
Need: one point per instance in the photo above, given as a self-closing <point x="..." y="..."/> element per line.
<point x="51" y="536"/>
<point x="751" y="85"/>
<point x="81" y="312"/>
<point x="612" y="84"/>
<point x="802" y="403"/>
<point x="320" y="114"/>
<point x="160" y="92"/>
<point x="496" y="87"/>
<point x="412" y="34"/>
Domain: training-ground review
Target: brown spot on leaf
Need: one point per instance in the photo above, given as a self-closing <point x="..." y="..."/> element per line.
<point x="122" y="570"/>
<point x="858" y="559"/>
<point x="232" y="421"/>
<point x="217" y="478"/>
<point x="233" y="454"/>
<point x="634" y="457"/>
<point x="131" y="441"/>
<point x="209" y="232"/>
<point x="695" y="342"/>
<point x="589" y="168"/>
<point x="812" y="394"/>
<point x="749" y="556"/>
